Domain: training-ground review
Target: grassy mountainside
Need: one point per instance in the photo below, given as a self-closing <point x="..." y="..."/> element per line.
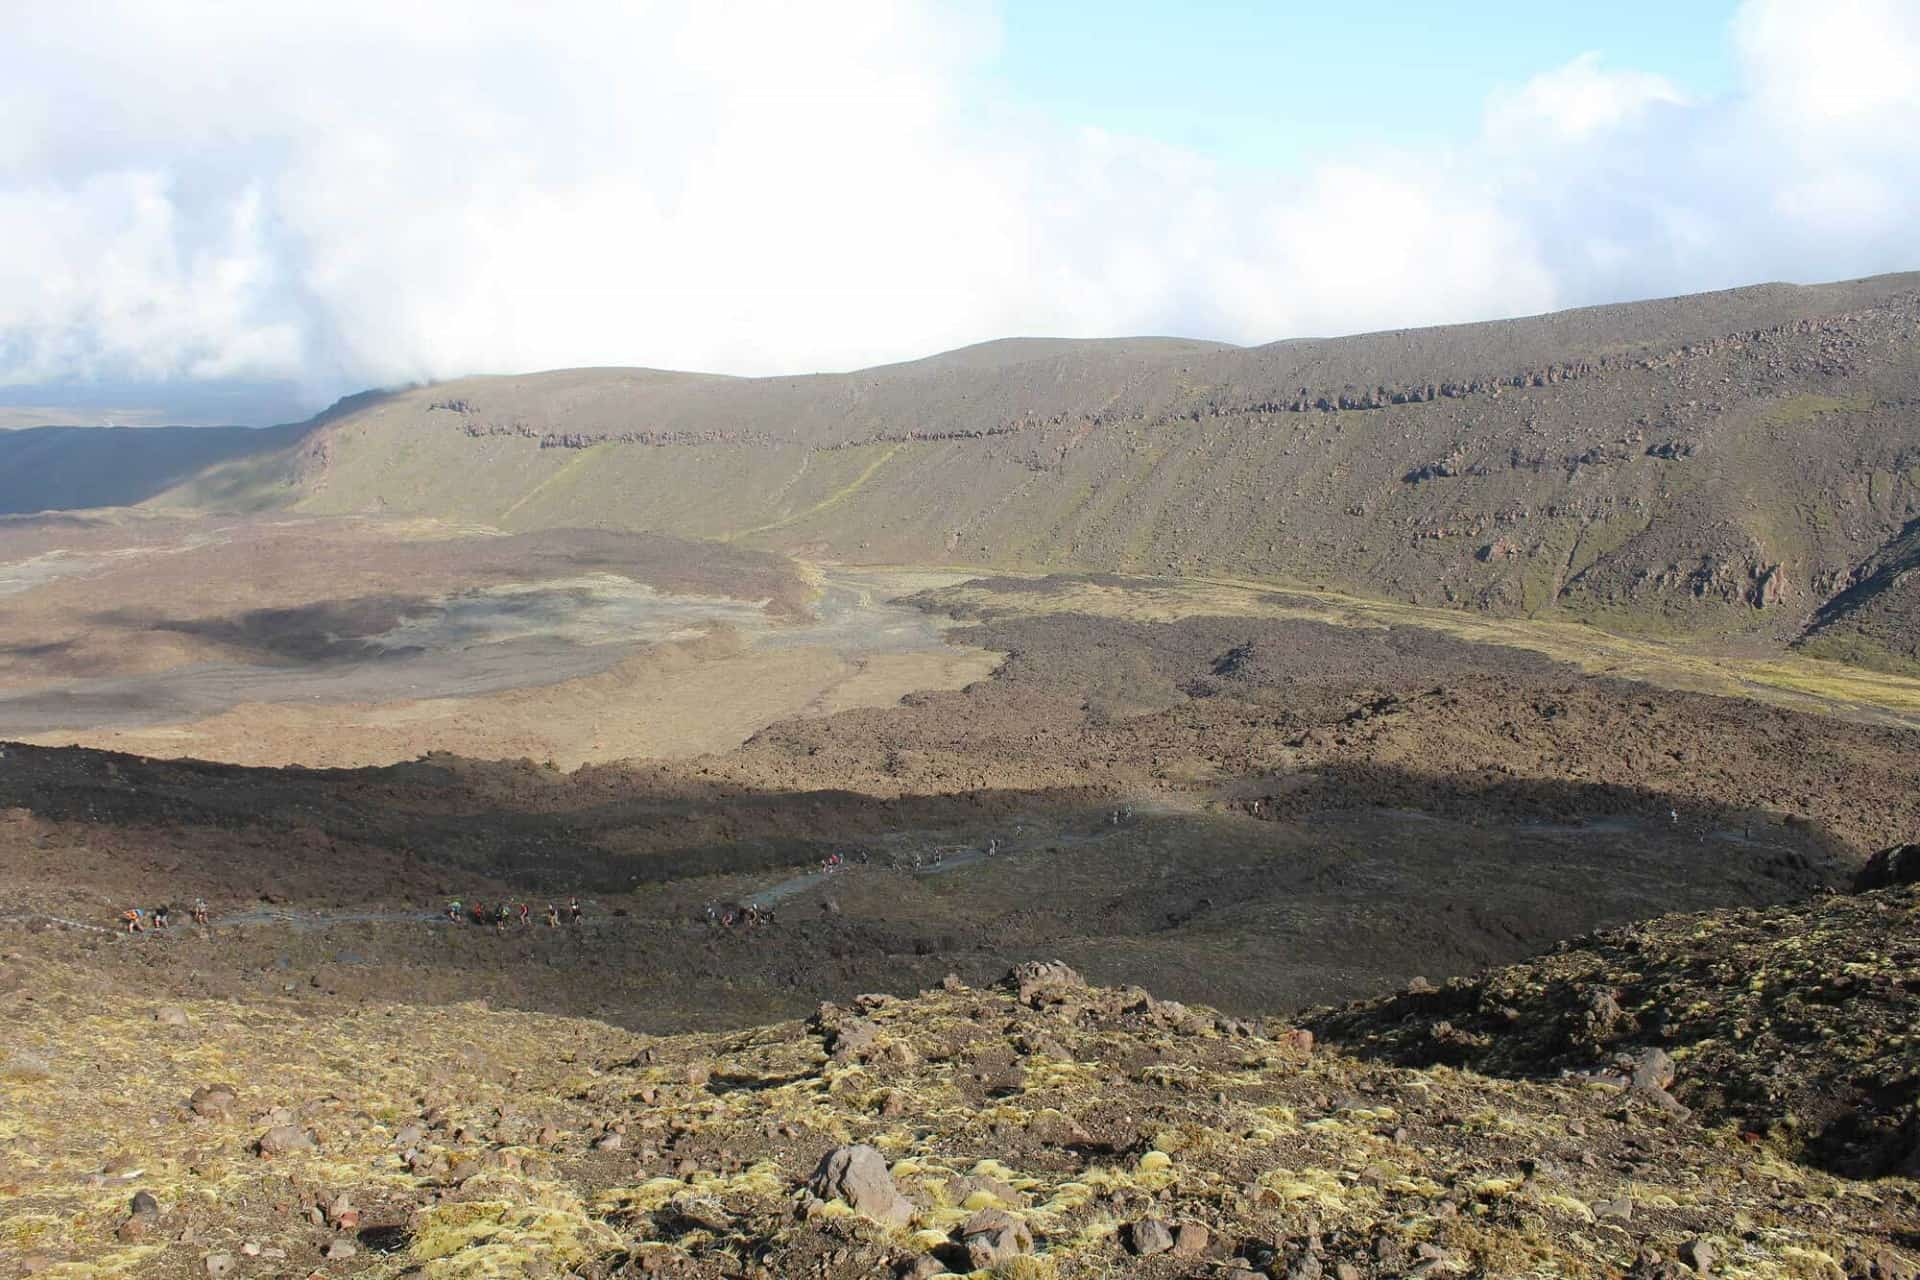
<point x="1720" y="462"/>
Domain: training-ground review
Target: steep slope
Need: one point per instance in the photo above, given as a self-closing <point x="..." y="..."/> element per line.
<point x="1876" y="621"/>
<point x="1719" y="462"/>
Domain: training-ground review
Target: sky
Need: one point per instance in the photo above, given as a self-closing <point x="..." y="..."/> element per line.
<point x="219" y="212"/>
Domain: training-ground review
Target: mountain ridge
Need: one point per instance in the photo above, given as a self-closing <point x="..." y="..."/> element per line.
<point x="1718" y="465"/>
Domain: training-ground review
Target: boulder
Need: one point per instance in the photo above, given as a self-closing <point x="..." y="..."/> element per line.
<point x="283" y="1138"/>
<point x="1699" y="1255"/>
<point x="213" y="1101"/>
<point x="1191" y="1238"/>
<point x="1653" y="1069"/>
<point x="1897" y="865"/>
<point x="858" y="1175"/>
<point x="1039" y="982"/>
<point x="992" y="1236"/>
<point x="1149" y="1236"/>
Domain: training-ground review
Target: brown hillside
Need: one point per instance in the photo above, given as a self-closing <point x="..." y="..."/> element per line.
<point x="1724" y="462"/>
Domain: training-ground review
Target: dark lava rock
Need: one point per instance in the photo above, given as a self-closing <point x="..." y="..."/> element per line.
<point x="1897" y="865"/>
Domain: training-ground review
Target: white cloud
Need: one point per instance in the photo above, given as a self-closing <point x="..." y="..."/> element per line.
<point x="360" y="191"/>
<point x="1577" y="101"/>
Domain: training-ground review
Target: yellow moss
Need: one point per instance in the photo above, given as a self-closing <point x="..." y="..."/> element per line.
<point x="1566" y="1204"/>
<point x="1025" y="1267"/>
<point x="1155" y="1162"/>
<point x="486" y="1238"/>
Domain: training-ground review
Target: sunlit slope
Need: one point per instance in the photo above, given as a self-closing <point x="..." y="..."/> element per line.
<point x="1720" y="462"/>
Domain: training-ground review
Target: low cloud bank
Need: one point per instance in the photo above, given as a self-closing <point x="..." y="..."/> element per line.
<point x="341" y="194"/>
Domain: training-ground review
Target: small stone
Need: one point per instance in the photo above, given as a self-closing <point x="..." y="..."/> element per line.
<point x="1699" y="1255"/>
<point x="1150" y="1236"/>
<point x="1346" y="1271"/>
<point x="144" y="1205"/>
<point x="171" y="1016"/>
<point x="219" y="1264"/>
<point x="608" y="1142"/>
<point x="213" y="1101"/>
<point x="251" y="1249"/>
<point x="549" y="1136"/>
<point x="923" y="1267"/>
<point x="1620" y="1210"/>
<point x="409" y="1136"/>
<point x="341" y="1249"/>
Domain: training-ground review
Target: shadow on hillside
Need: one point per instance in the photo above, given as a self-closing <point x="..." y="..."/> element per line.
<point x="328" y="631"/>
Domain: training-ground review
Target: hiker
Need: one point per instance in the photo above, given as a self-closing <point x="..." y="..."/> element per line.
<point x="160" y="916"/>
<point x="525" y="913"/>
<point x="993" y="845"/>
<point x="573" y="911"/>
<point x="500" y="917"/>
<point x="453" y="911"/>
<point x="553" y="916"/>
<point x="479" y="913"/>
<point x="200" y="911"/>
<point x="133" y="916"/>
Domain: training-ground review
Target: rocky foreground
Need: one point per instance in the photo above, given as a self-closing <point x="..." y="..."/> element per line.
<point x="1662" y="1101"/>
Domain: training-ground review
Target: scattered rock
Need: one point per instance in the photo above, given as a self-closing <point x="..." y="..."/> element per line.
<point x="171" y="1016"/>
<point x="341" y="1249"/>
<point x="858" y="1175"/>
<point x="219" y="1264"/>
<point x="213" y="1101"/>
<point x="1149" y="1236"/>
<point x="922" y="1267"/>
<point x="145" y="1206"/>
